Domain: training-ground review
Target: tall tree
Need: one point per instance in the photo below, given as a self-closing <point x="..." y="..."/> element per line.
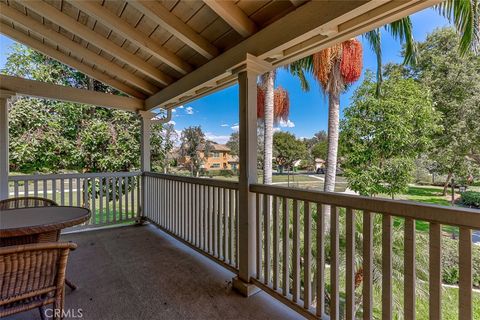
<point x="287" y="149"/>
<point x="192" y="138"/>
<point x="163" y="140"/>
<point x="382" y="137"/>
<point x="273" y="105"/>
<point x="454" y="81"/>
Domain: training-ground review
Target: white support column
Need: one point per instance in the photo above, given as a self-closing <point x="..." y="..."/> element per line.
<point x="145" y="140"/>
<point x="4" y="159"/>
<point x="247" y="79"/>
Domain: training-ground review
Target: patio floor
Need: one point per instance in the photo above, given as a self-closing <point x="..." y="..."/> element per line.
<point x="139" y="272"/>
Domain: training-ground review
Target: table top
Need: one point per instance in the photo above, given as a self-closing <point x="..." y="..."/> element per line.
<point x="27" y="221"/>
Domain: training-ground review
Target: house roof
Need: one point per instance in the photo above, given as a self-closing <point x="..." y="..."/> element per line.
<point x="166" y="53"/>
<point x="215" y="147"/>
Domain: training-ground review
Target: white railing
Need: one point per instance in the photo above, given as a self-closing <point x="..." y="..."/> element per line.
<point x="112" y="197"/>
<point x="302" y="263"/>
<point x="203" y="213"/>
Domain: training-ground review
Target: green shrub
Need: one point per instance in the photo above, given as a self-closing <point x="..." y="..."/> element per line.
<point x="226" y="173"/>
<point x="471" y="199"/>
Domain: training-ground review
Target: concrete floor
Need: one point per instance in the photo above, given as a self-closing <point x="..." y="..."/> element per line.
<point x="139" y="272"/>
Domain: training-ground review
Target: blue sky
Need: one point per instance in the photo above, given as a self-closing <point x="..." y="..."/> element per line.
<point x="217" y="114"/>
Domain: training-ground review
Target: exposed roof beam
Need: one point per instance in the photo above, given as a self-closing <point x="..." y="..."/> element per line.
<point x="280" y="44"/>
<point x="111" y="20"/>
<point x="170" y="22"/>
<point x="271" y="39"/>
<point x="298" y="3"/>
<point x="87" y="34"/>
<point x="63" y="41"/>
<point x="233" y="15"/>
<point x="44" y="90"/>
<point x="72" y="62"/>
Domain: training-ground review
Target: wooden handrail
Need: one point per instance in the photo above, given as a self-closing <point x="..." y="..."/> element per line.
<point x="465" y="217"/>
<point x="33" y="177"/>
<point x="202" y="181"/>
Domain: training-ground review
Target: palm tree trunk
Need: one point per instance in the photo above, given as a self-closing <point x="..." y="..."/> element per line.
<point x="333" y="134"/>
<point x="268" y="128"/>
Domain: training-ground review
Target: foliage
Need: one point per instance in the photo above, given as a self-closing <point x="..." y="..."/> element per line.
<point x="191" y="139"/>
<point x="471" y="199"/>
<point x="383" y="136"/>
<point x="287" y="149"/>
<point x="454" y="82"/>
<point x="234" y="143"/>
<point x="49" y="136"/>
<point x="320" y="150"/>
<point x="163" y="138"/>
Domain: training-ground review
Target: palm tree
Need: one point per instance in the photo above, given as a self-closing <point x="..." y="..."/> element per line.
<point x="273" y="105"/>
<point x="335" y="68"/>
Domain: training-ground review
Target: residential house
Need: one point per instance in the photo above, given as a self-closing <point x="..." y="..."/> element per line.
<point x="218" y="158"/>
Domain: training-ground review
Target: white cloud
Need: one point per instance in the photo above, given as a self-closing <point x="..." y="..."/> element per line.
<point x="276" y="129"/>
<point x="216" y="138"/>
<point x="287" y="124"/>
<point x="189" y="110"/>
<point x="224" y="125"/>
<point x="180" y="107"/>
<point x="172" y="122"/>
<point x="174" y="110"/>
<point x="235" y="127"/>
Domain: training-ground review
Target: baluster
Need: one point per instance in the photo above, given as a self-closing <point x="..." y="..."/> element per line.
<point x="334" y="267"/>
<point x="266" y="237"/>
<point x="232" y="223"/>
<point x="296" y="252"/>
<point x="225" y="224"/>
<point x="35" y="187"/>
<point x="114" y="198"/>
<point x="94" y="211"/>
<point x="367" y="265"/>
<point x="465" y="277"/>
<point x="286" y="247"/>
<point x="409" y="269"/>
<point x="15" y="188"/>
<point x="62" y="191"/>
<point x="320" y="261"/>
<point x="70" y="192"/>
<point x="387" y="296"/>
<point x="259" y="234"/>
<point x="435" y="270"/>
<point x="276" y="243"/>
<point x="350" y="263"/>
<point x="101" y="218"/>
<point x="307" y="230"/>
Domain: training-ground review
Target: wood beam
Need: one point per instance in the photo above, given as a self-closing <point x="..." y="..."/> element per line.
<point x="170" y="22"/>
<point x="120" y="26"/>
<point x="65" y="42"/>
<point x="270" y="40"/>
<point x="233" y="15"/>
<point x="281" y="44"/>
<point x="51" y="13"/>
<point x="44" y="90"/>
<point x="71" y="62"/>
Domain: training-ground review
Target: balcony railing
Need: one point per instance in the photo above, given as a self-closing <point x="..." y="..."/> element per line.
<point x="322" y="254"/>
<point x="201" y="212"/>
<point x="291" y="268"/>
<point x="112" y="197"/>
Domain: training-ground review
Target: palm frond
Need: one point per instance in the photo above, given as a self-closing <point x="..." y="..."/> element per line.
<point x="299" y="68"/>
<point x="403" y="30"/>
<point x="374" y="39"/>
<point x="464" y="14"/>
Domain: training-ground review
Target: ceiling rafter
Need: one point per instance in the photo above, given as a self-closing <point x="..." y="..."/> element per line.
<point x="170" y="22"/>
<point x="234" y="16"/>
<point x="66" y="22"/>
<point x="63" y="41"/>
<point x="72" y="62"/>
<point x="123" y="28"/>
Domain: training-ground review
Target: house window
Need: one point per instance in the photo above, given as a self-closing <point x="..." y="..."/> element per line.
<point x="216" y="154"/>
<point x="215" y="165"/>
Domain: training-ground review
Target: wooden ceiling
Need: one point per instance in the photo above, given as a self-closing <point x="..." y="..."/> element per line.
<point x="142" y="47"/>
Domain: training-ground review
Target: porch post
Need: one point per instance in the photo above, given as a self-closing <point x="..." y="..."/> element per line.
<point x="145" y="140"/>
<point x="4" y="159"/>
<point x="247" y="80"/>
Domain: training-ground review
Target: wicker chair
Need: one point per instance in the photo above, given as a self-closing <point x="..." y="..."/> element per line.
<point x="33" y="276"/>
<point x="26" y="202"/>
